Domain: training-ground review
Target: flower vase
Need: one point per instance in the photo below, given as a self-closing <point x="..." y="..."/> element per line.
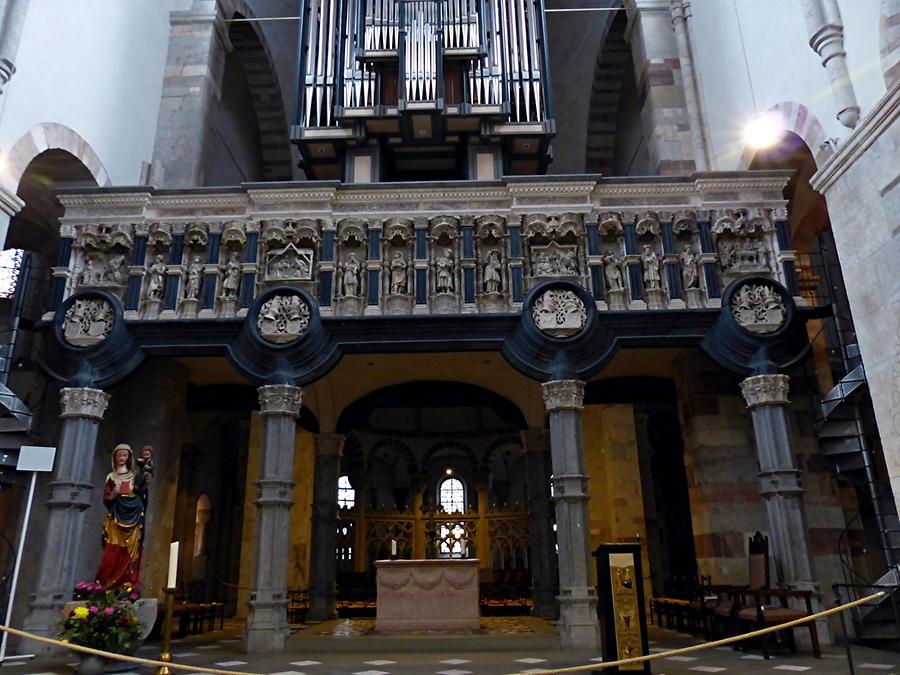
<point x="91" y="664"/>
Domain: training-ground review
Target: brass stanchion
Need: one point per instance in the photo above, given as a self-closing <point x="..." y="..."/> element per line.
<point x="166" y="653"/>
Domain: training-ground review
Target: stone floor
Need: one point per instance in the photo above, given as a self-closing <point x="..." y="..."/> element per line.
<point x="505" y="646"/>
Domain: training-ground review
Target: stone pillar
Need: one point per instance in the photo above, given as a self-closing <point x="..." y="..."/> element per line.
<point x="779" y="476"/>
<point x="324" y="526"/>
<point x="267" y="627"/>
<point x="542" y="553"/>
<point x="12" y="20"/>
<point x="195" y="63"/>
<point x="680" y="14"/>
<point x="780" y="485"/>
<point x="71" y="493"/>
<point x="578" y="628"/>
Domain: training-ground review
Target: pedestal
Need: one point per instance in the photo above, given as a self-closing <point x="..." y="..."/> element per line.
<point x="616" y="299"/>
<point x="656" y="299"/>
<point x="445" y="303"/>
<point x="694" y="298"/>
<point x="493" y="302"/>
<point x="350" y="306"/>
<point x="228" y="308"/>
<point x="189" y="308"/>
<point x="152" y="307"/>
<point x="397" y="304"/>
<point x="432" y="595"/>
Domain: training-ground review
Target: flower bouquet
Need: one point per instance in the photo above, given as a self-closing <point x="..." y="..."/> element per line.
<point x="101" y="619"/>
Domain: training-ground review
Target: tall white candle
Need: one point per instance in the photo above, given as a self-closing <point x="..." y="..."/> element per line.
<point x="173" y="565"/>
<point x="394" y="547"/>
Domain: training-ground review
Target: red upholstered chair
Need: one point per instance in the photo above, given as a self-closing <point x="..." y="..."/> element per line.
<point x="756" y="613"/>
<point x="724" y="614"/>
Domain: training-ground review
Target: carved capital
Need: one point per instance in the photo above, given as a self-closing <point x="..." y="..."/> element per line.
<point x="563" y="395"/>
<point x="766" y="390"/>
<point x="280" y="399"/>
<point x="83" y="402"/>
<point x="330" y="444"/>
<point x="535" y="440"/>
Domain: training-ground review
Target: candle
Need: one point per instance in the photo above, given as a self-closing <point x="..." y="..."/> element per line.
<point x="173" y="565"/>
<point x="394" y="548"/>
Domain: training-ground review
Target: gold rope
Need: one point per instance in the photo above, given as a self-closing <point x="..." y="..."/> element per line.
<point x="705" y="645"/>
<point x="119" y="657"/>
<point x="556" y="671"/>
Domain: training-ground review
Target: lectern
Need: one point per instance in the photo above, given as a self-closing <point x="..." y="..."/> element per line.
<point x="620" y="594"/>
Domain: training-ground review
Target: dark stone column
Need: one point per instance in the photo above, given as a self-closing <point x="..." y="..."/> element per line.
<point x="542" y="554"/>
<point x="324" y="526"/>
<point x="578" y="628"/>
<point x="267" y="626"/>
<point x="71" y="493"/>
<point x="780" y="484"/>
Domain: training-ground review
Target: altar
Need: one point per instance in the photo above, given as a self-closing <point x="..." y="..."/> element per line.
<point x="416" y="595"/>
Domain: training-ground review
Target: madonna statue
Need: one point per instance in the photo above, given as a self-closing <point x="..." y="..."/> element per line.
<point x="124" y="496"/>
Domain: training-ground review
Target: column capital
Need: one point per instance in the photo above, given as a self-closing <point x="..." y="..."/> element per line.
<point x="535" y="440"/>
<point x="766" y="390"/>
<point x="280" y="399"/>
<point x="330" y="444"/>
<point x="563" y="395"/>
<point x="83" y="402"/>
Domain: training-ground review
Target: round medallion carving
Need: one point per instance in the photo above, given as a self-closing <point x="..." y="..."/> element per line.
<point x="283" y="318"/>
<point x="758" y="308"/>
<point x="88" y="321"/>
<point x="559" y="313"/>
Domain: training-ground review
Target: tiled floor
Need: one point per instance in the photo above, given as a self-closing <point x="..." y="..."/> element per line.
<point x="345" y="653"/>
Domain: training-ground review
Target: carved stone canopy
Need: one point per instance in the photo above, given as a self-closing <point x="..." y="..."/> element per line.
<point x="234" y="235"/>
<point x="610" y="225"/>
<point x="283" y="318"/>
<point x="88" y="321"/>
<point x="104" y="237"/>
<point x="559" y="313"/>
<point x="758" y="308"/>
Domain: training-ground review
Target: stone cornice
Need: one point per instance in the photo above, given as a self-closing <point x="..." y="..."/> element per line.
<point x="880" y="119"/>
<point x="764" y="183"/>
<point x="199" y="201"/>
<point x="10" y="204"/>
<point x="386" y="196"/>
<point x="105" y="199"/>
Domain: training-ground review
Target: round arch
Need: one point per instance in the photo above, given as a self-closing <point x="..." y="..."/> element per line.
<point x="53" y="136"/>
<point x="796" y="118"/>
<point x="889" y="42"/>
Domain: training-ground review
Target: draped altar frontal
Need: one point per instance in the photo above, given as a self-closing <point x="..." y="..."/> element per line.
<point x="433" y="595"/>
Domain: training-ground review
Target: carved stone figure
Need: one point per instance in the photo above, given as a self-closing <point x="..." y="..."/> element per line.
<point x="492" y="280"/>
<point x="612" y="271"/>
<point x="758" y="308"/>
<point x="444" y="265"/>
<point x="194" y="278"/>
<point x="690" y="265"/>
<point x="115" y="271"/>
<point x="290" y="263"/>
<point x="283" y="318"/>
<point x="554" y="261"/>
<point x="156" y="284"/>
<point x="231" y="284"/>
<point x="742" y="255"/>
<point x="559" y="313"/>
<point x="88" y="322"/>
<point x="398" y="274"/>
<point x="650" y="263"/>
<point x="350" y="277"/>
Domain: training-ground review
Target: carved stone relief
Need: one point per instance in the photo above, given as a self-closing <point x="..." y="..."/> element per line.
<point x="349" y="277"/>
<point x="559" y="313"/>
<point x="399" y="283"/>
<point x="690" y="268"/>
<point x="743" y="255"/>
<point x="104" y="252"/>
<point x="231" y="281"/>
<point x="283" y="318"/>
<point x="554" y="260"/>
<point x="87" y="322"/>
<point x="650" y="268"/>
<point x="612" y="271"/>
<point x="758" y="308"/>
<point x="193" y="278"/>
<point x="156" y="279"/>
<point x="444" y="271"/>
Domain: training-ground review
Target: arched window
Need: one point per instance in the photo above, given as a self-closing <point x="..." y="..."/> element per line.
<point x="346" y="493"/>
<point x="452" y="495"/>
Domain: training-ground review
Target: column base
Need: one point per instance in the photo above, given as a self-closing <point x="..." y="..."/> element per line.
<point x="267" y="627"/>
<point x="545" y="604"/>
<point x="578" y="626"/>
<point x="42" y="620"/>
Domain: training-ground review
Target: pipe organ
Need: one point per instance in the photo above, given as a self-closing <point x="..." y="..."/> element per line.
<point x="422" y="89"/>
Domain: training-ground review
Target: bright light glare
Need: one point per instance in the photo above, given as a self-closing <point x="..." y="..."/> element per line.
<point x="763" y="131"/>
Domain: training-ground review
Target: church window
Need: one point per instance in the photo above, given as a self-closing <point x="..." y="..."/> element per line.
<point x="452" y="496"/>
<point x="346" y="493"/>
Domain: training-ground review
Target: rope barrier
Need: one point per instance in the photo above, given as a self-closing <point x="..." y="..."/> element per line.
<point x="555" y="671"/>
<point x="119" y="657"/>
<point x="705" y="645"/>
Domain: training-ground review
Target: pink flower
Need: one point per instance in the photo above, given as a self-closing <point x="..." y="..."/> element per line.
<point x="134" y="596"/>
<point x="80" y="585"/>
<point x="94" y="609"/>
<point x="108" y="611"/>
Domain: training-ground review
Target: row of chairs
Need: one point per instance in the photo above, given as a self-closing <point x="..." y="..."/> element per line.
<point x="714" y="611"/>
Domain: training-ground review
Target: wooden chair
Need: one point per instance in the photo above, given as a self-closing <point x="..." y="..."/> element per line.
<point x="760" y="614"/>
<point x="723" y="620"/>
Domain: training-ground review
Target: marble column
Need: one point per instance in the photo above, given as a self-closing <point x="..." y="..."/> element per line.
<point x="578" y="628"/>
<point x="542" y="552"/>
<point x="70" y="494"/>
<point x="267" y="627"/>
<point x="324" y="526"/>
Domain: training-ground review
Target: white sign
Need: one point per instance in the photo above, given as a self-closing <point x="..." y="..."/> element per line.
<point x="35" y="458"/>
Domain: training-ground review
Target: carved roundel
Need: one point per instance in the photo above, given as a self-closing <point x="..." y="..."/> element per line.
<point x="559" y="313"/>
<point x="88" y="321"/>
<point x="283" y="318"/>
<point x="758" y="308"/>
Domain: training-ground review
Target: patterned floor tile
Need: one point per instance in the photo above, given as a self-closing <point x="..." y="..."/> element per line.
<point x="306" y="663"/>
<point x="372" y="672"/>
<point x="795" y="669"/>
<point x="707" y="669"/>
<point x="208" y="647"/>
<point x="288" y="672"/>
<point x="753" y="657"/>
<point x="455" y="662"/>
<point x="681" y="659"/>
<point x="183" y="655"/>
<point x="454" y="672"/>
<point x="875" y="666"/>
<point x="229" y="664"/>
<point x="380" y="662"/>
<point x="531" y="659"/>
